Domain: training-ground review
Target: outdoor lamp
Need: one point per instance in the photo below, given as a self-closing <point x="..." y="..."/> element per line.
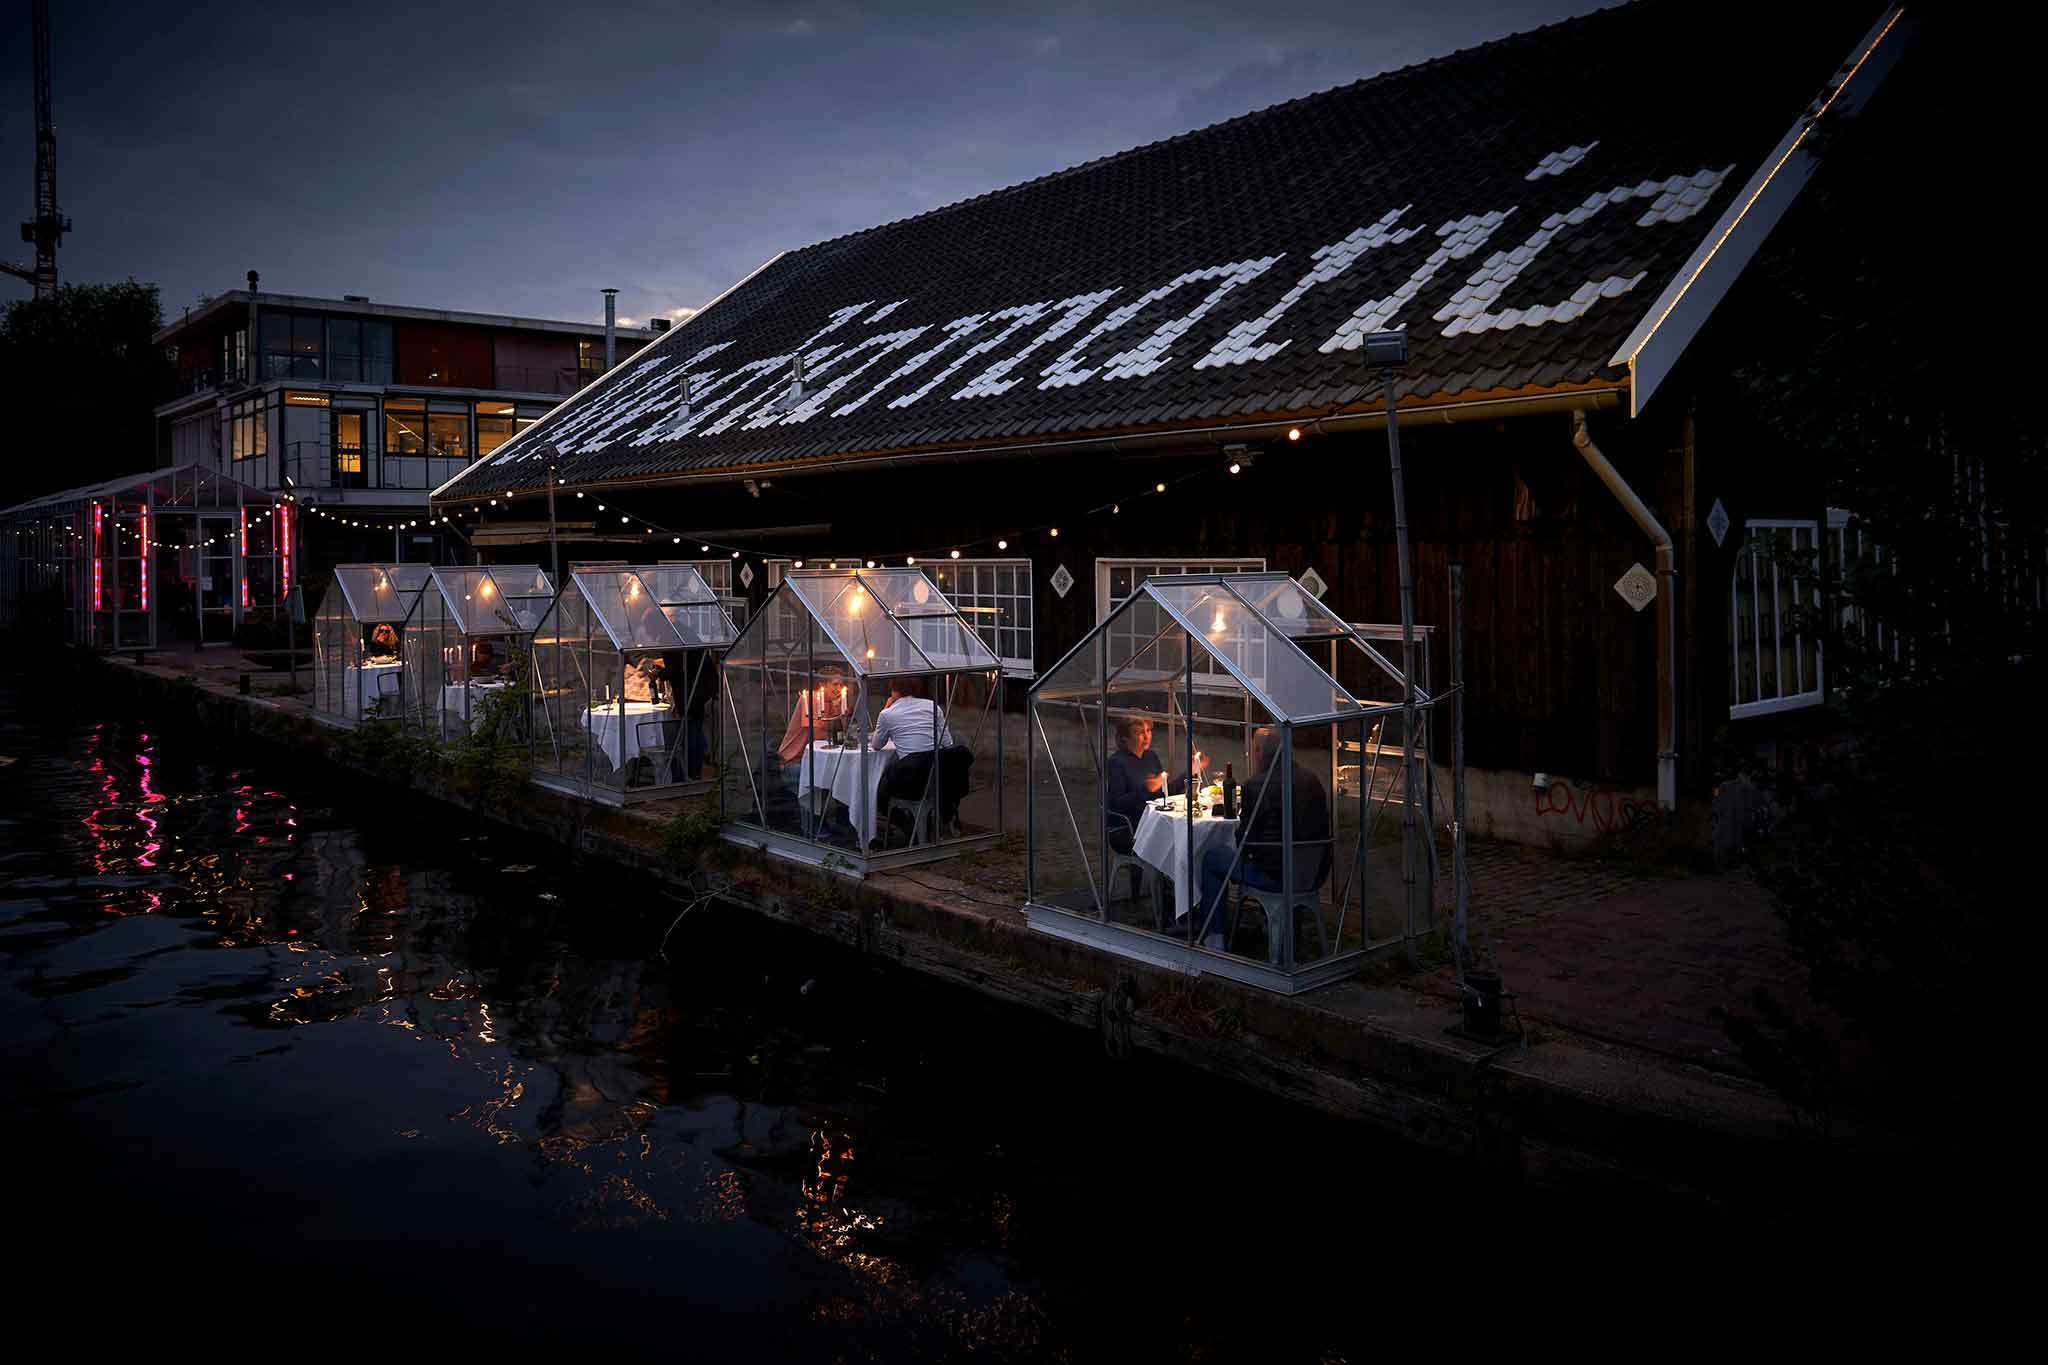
<point x="1386" y="348"/>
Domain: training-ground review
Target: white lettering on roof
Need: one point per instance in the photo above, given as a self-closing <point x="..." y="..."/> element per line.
<point x="1242" y="343"/>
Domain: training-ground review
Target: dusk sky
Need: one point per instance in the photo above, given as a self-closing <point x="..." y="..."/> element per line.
<point x="516" y="158"/>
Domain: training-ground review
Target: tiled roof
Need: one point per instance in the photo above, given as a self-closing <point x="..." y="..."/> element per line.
<point x="1516" y="207"/>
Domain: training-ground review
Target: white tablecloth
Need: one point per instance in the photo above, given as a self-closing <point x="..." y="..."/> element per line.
<point x="479" y="696"/>
<point x="621" y="742"/>
<point x="372" y="691"/>
<point x="1162" y="842"/>
<point x="836" y="772"/>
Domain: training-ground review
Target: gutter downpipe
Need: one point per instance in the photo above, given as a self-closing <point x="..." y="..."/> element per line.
<point x="1667" y="615"/>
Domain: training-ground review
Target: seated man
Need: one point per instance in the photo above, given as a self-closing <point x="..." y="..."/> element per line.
<point x="916" y="725"/>
<point x="1261" y="834"/>
<point x="484" y="663"/>
<point x="1133" y="776"/>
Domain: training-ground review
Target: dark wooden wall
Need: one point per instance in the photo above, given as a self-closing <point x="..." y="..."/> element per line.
<point x="1562" y="673"/>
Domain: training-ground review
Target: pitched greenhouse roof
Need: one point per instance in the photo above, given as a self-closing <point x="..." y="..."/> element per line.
<point x="875" y="623"/>
<point x="1518" y="208"/>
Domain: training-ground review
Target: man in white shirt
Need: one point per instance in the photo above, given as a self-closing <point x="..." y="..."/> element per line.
<point x="911" y="720"/>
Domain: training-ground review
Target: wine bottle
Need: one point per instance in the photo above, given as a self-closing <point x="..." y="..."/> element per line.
<point x="1229" y="793"/>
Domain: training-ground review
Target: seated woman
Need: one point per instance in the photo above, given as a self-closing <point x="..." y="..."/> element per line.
<point x="484" y="663"/>
<point x="1133" y="776"/>
<point x="382" y="647"/>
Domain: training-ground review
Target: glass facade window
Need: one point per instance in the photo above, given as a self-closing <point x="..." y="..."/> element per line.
<point x="494" y="425"/>
<point x="248" y="430"/>
<point x="448" y="430"/>
<point x="589" y="360"/>
<point x="294" y="346"/>
<point x="345" y="350"/>
<point x="405" y="426"/>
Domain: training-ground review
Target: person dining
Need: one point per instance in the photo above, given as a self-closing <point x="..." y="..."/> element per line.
<point x="383" y="645"/>
<point x="828" y="700"/>
<point x="915" y="727"/>
<point x="1134" y="775"/>
<point x="484" y="662"/>
<point x="1262" y="834"/>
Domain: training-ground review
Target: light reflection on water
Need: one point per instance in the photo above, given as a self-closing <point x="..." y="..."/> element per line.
<point x="254" y="1012"/>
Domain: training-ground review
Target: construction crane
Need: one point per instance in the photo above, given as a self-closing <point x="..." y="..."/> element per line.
<point x="49" y="226"/>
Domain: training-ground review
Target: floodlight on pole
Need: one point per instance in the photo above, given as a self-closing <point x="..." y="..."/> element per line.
<point x="1388" y="351"/>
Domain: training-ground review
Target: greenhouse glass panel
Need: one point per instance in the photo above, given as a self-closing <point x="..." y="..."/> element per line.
<point x="1191" y="815"/>
<point x="361" y="635"/>
<point x="863" y="738"/>
<point x="626" y="701"/>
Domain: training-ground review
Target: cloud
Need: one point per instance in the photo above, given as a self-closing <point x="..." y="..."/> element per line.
<point x="796" y="28"/>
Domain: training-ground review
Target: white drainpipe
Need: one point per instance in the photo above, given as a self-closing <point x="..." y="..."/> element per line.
<point x="1667" y="609"/>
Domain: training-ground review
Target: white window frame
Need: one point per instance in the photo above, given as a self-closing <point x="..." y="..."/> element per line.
<point x="1174" y="567"/>
<point x="1805" y="691"/>
<point x="1848" y="546"/>
<point x="950" y="573"/>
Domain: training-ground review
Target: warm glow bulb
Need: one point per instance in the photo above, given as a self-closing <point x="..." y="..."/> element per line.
<point x="956" y="554"/>
<point x="1235" y="466"/>
<point x="1156" y="488"/>
<point x="1294" y="433"/>
<point x="1002" y="545"/>
<point x="1055" y="531"/>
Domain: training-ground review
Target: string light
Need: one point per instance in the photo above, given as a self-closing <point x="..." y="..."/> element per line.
<point x="1002" y="545"/>
<point x="1294" y="433"/>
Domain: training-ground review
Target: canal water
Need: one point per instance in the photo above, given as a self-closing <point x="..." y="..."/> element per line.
<point x="288" y="1062"/>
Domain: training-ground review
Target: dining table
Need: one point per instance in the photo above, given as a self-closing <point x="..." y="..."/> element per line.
<point x="473" y="695"/>
<point x="1161" y="842"/>
<point x="614" y="728"/>
<point x="836" y="772"/>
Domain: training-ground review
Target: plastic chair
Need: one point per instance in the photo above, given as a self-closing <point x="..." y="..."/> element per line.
<point x="652" y="736"/>
<point x="1275" y="903"/>
<point x="387" y="691"/>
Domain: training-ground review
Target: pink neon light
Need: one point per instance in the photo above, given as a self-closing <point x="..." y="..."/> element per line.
<point x="98" y="601"/>
<point x="245" y="557"/>
<point x="284" y="515"/>
<point x="143" y="535"/>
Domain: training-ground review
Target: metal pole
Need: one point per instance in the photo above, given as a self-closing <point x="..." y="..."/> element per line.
<point x="611" y="322"/>
<point x="554" y="549"/>
<point x="1458" y="877"/>
<point x="1407" y="651"/>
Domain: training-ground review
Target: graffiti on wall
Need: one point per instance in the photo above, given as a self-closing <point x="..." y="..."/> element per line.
<point x="1604" y="809"/>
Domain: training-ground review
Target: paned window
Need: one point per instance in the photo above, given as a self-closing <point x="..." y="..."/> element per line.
<point x="1774" y="665"/>
<point x="1117" y="579"/>
<point x="495" y="423"/>
<point x="995" y="597"/>
<point x="248" y="430"/>
<point x="405" y="426"/>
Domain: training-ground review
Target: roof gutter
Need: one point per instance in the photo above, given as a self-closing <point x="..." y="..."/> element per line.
<point x="1667" y="614"/>
<point x="1574" y="400"/>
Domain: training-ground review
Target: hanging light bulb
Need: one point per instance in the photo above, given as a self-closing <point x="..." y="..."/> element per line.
<point x="1002" y="545"/>
<point x="1055" y="532"/>
<point x="956" y="554"/>
<point x="1294" y="433"/>
<point x="1158" y="488"/>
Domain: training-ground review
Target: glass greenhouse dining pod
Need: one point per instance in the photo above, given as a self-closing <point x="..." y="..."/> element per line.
<point x="467" y="647"/>
<point x="358" y="668"/>
<point x="865" y="724"/>
<point x="1267" y="883"/>
<point x="625" y="667"/>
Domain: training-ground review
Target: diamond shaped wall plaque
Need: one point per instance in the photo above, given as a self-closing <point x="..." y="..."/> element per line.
<point x="1717" y="522"/>
<point x="1312" y="583"/>
<point x="746" y="575"/>
<point x="1637" y="587"/>
<point x="1061" y="580"/>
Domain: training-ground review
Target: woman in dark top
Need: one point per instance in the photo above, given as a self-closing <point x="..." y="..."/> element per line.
<point x="1134" y="775"/>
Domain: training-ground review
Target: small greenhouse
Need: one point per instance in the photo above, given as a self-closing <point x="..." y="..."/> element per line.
<point x="358" y="661"/>
<point x="625" y="672"/>
<point x="1137" y="844"/>
<point x="467" y="658"/>
<point x="864" y="723"/>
